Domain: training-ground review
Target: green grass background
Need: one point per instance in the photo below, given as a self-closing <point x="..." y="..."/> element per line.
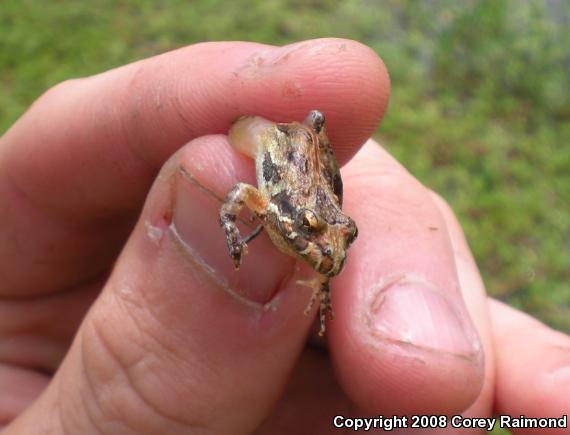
<point x="479" y="112"/>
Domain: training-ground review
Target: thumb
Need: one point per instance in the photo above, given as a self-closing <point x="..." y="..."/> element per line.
<point x="177" y="339"/>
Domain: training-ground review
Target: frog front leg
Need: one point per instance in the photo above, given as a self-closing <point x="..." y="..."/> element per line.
<point x="242" y="195"/>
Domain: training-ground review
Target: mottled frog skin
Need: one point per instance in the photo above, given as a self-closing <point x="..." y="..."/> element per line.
<point x="298" y="198"/>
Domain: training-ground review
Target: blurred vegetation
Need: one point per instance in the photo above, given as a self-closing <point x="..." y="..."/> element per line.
<point x="480" y="104"/>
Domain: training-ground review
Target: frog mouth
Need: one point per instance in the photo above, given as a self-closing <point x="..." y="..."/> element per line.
<point x="320" y="258"/>
<point x="328" y="266"/>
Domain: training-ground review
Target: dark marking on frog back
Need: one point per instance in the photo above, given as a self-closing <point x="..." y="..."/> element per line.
<point x="337" y="187"/>
<point x="270" y="170"/>
<point x="298" y="161"/>
<point x="327" y="207"/>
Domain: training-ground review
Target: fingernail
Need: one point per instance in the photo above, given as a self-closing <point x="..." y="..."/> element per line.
<point x="559" y="374"/>
<point x="416" y="312"/>
<point x="195" y="226"/>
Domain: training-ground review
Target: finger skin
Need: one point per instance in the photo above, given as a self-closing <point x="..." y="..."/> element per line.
<point x="75" y="169"/>
<point x="18" y="388"/>
<point x="402" y="340"/>
<point x="533" y="367"/>
<point x="178" y="342"/>
<point x="473" y="291"/>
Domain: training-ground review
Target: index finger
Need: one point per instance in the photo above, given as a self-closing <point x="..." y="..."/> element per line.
<point x="87" y="151"/>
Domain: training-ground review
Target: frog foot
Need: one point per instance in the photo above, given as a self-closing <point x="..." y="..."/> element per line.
<point x="237" y="249"/>
<point x="242" y="195"/>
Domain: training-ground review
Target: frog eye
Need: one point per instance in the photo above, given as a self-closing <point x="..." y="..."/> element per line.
<point x="308" y="221"/>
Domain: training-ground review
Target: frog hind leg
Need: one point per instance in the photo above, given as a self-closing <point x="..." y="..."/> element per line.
<point x="242" y="195"/>
<point x="322" y="291"/>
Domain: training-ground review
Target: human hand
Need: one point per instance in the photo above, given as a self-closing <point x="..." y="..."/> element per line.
<point x="165" y="337"/>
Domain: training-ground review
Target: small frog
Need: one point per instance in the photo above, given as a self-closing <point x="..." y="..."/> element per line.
<point x="298" y="198"/>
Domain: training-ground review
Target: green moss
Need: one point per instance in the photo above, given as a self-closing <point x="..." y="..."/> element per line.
<point x="480" y="103"/>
